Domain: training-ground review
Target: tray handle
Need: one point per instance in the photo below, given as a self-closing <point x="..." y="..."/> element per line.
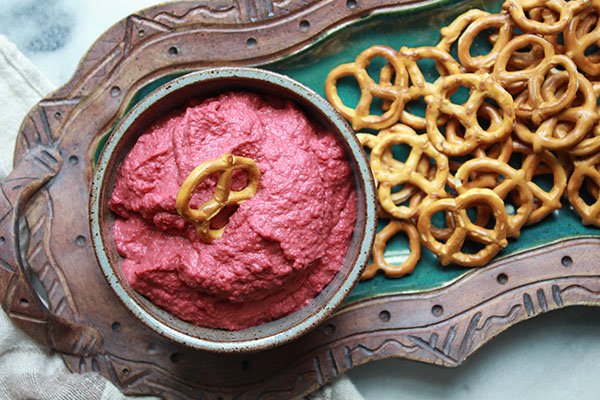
<point x="19" y="297"/>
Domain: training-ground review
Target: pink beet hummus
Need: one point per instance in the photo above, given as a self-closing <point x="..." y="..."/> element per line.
<point x="279" y="249"/>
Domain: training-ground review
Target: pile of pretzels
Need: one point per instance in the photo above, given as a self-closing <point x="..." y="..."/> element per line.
<point x="531" y="111"/>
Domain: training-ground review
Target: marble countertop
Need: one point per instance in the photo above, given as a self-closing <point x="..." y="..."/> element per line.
<point x="553" y="356"/>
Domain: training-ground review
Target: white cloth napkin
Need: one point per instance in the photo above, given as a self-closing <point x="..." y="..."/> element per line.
<point x="27" y="369"/>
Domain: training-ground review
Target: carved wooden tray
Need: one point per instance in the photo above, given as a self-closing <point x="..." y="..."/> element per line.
<point x="52" y="287"/>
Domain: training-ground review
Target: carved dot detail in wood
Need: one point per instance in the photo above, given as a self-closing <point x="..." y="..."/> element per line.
<point x="304" y="25"/>
<point x="173" y="51"/>
<point x="251" y="43"/>
<point x="116" y="327"/>
<point x="2" y="240"/>
<point x="80" y="240"/>
<point x="115" y="91"/>
<point x="566" y="261"/>
<point x="502" y="279"/>
<point x="125" y="371"/>
<point x="24" y="302"/>
<point x="141" y="33"/>
<point x="57" y="115"/>
<point x="437" y="310"/>
<point x="175" y="357"/>
<point x="351" y="4"/>
<point x="385" y="315"/>
<point x="329" y="329"/>
<point x="73" y="160"/>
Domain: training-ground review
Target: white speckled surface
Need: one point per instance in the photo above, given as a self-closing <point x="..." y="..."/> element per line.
<point x="553" y="356"/>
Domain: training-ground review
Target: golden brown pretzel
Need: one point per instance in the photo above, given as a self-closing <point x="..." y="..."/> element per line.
<point x="482" y="86"/>
<point x="532" y="103"/>
<point x="470" y="31"/>
<point x="591" y="143"/>
<point x="583" y="32"/>
<point x="452" y="32"/>
<point x="513" y="180"/>
<point x="360" y="117"/>
<point x="451" y="251"/>
<point x="380" y="264"/>
<point x="581" y="116"/>
<point x="512" y="49"/>
<point x="533" y="165"/>
<point x="223" y="196"/>
<point x="501" y="151"/>
<point x="408" y="173"/>
<point x="565" y="10"/>
<point x="405" y="194"/>
<point x="418" y="86"/>
<point x="585" y="168"/>
<point x="547" y="16"/>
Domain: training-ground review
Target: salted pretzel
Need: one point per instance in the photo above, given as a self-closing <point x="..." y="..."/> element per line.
<point x="547" y="16"/>
<point x="542" y="163"/>
<point x="380" y="264"/>
<point x="501" y="151"/>
<point x="444" y="62"/>
<point x="585" y="168"/>
<point x="482" y="86"/>
<point x="532" y="104"/>
<point x="466" y="28"/>
<point x="418" y="86"/>
<point x="493" y="239"/>
<point x="406" y="193"/>
<point x="223" y="196"/>
<point x="513" y="180"/>
<point x="514" y="68"/>
<point x="408" y="173"/>
<point x="565" y="10"/>
<point x="360" y="116"/>
<point x="583" y="32"/>
<point x="590" y="144"/>
<point x="554" y="132"/>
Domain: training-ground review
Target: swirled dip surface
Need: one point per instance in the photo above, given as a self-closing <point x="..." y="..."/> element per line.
<point x="279" y="249"/>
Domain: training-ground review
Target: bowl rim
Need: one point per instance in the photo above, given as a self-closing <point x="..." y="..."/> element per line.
<point x="313" y="319"/>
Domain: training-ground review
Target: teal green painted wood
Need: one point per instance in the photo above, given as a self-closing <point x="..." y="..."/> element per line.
<point x="411" y="27"/>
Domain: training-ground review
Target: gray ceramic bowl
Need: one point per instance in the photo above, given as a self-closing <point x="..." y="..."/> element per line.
<point x="173" y="95"/>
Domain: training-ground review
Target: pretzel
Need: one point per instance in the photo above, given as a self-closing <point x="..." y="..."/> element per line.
<point x="501" y="151"/>
<point x="544" y="201"/>
<point x="419" y="87"/>
<point x="408" y="173"/>
<point x="513" y="180"/>
<point x="451" y="251"/>
<point x="466" y="28"/>
<point x="582" y="117"/>
<point x="585" y="168"/>
<point x="380" y="243"/>
<point x="223" y="196"/>
<point x="591" y="143"/>
<point x="533" y="104"/>
<point x="360" y="116"/>
<point x="501" y="71"/>
<point x="370" y="141"/>
<point x="482" y="86"/>
<point x="565" y="9"/>
<point x="581" y="33"/>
